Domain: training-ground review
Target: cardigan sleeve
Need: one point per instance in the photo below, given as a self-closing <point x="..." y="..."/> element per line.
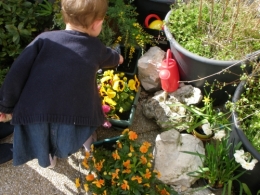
<point x="17" y="77"/>
<point x="109" y="58"/>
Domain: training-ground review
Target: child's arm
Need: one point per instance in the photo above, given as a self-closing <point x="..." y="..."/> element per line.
<point x="5" y="117"/>
<point x="121" y="59"/>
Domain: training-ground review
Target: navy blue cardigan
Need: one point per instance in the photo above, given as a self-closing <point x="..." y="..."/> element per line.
<point x="54" y="80"/>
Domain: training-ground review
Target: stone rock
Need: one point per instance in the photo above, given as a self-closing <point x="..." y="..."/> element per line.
<point x="172" y="163"/>
<point x="148" y="72"/>
<point x="161" y="106"/>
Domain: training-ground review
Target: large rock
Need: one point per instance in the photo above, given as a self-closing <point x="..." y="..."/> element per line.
<point x="160" y="106"/>
<point x="148" y="69"/>
<point x="172" y="163"/>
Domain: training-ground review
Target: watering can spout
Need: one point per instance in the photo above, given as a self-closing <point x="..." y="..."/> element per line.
<point x="169" y="73"/>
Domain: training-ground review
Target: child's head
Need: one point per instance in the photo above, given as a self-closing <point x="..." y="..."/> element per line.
<point x="83" y="12"/>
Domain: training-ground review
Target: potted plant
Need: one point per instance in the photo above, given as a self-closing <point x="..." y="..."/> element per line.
<point x="245" y="119"/>
<point x="204" y="121"/>
<point x="208" y="36"/>
<point x="219" y="169"/>
<point x="119" y="93"/>
<point x="126" y="169"/>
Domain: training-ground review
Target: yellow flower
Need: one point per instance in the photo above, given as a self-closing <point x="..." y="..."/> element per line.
<point x="131" y="148"/>
<point x="125" y="131"/>
<point x="85" y="163"/>
<point x="109" y="101"/>
<point x="125" y="185"/>
<point x="121" y="109"/>
<point x="147" y="185"/>
<point x="99" y="183"/>
<point x="86" y="187"/>
<point x="106" y="80"/>
<point x="131" y="84"/>
<point x="119" y="85"/>
<point x="77" y="183"/>
<point x="111" y="94"/>
<point x="206" y="100"/>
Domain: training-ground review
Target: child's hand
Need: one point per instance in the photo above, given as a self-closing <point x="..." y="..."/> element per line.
<point x="5" y="117"/>
<point x="121" y="59"/>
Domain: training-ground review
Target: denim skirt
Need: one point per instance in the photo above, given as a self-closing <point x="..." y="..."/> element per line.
<point x="37" y="141"/>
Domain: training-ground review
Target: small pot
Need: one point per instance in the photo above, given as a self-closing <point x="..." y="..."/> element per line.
<point x="201" y="135"/>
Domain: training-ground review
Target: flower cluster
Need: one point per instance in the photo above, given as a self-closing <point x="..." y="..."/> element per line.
<point x="211" y="120"/>
<point x="219" y="168"/>
<point x="244" y="158"/>
<point x="121" y="27"/>
<point x="118" y="92"/>
<point x="127" y="169"/>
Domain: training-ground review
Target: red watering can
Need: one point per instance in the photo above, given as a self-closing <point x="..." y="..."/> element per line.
<point x="169" y="74"/>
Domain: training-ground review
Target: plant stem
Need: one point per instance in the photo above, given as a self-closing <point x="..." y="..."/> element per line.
<point x="235" y="19"/>
<point x="200" y="13"/>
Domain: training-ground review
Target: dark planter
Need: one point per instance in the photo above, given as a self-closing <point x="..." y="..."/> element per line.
<point x="129" y="66"/>
<point x="126" y="119"/>
<point x="251" y="178"/>
<point x="192" y="67"/>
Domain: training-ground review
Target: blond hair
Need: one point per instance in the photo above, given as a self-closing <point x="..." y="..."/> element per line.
<point x="83" y="12"/>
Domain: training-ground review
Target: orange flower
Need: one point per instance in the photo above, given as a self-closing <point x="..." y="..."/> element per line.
<point x="99" y="183"/>
<point x="77" y="183"/>
<point x="126" y="171"/>
<point x="125" y="185"/>
<point x="119" y="144"/>
<point x="87" y="155"/>
<point x="158" y="173"/>
<point x="143" y="160"/>
<point x="126" y="164"/>
<point x="139" y="179"/>
<point x="132" y="135"/>
<point x="147" y="144"/>
<point x="164" y="192"/>
<point x="115" y="174"/>
<point x="115" y="155"/>
<point x="85" y="163"/>
<point x="99" y="165"/>
<point x="90" y="177"/>
<point x="143" y="149"/>
<point x="147" y="174"/>
<point x="131" y="148"/>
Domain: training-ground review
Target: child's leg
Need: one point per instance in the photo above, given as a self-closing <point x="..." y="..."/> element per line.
<point x="53" y="161"/>
<point x="90" y="140"/>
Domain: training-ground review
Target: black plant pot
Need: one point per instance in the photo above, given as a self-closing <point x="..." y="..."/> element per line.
<point x="251" y="177"/>
<point x="193" y="67"/>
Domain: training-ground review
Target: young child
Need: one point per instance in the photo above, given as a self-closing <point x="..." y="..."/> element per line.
<point x="51" y="90"/>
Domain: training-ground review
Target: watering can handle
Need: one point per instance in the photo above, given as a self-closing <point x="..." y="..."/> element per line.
<point x="146" y="22"/>
<point x="168" y="56"/>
